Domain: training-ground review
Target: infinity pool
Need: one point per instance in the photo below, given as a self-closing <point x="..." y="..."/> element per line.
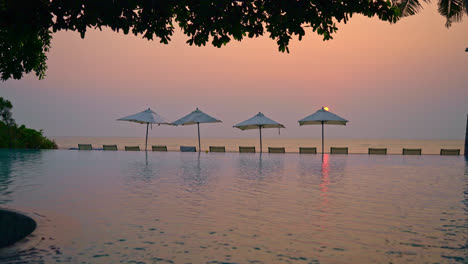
<point x="132" y="207"/>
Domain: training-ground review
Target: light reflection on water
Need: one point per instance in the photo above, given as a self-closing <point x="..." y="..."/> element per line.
<point x="243" y="208"/>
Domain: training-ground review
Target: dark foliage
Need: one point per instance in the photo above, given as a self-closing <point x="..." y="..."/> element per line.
<point x="13" y="136"/>
<point x="25" y="138"/>
<point x="452" y="10"/>
<point x="26" y="26"/>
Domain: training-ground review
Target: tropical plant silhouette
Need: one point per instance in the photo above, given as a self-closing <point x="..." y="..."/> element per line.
<point x="452" y="10"/>
<point x="26" y="26"/>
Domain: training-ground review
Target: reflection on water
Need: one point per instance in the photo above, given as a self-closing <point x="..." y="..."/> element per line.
<point x="196" y="171"/>
<point x="5" y="175"/>
<point x="12" y="166"/>
<point x="466" y="183"/>
<point x="325" y="175"/>
<point x="324" y="190"/>
<point x="137" y="207"/>
<point x="141" y="169"/>
<point x="260" y="166"/>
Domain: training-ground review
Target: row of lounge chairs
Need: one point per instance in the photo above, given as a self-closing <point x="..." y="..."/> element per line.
<point x="251" y="149"/>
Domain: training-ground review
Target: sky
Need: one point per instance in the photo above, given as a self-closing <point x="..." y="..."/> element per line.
<point x="404" y="80"/>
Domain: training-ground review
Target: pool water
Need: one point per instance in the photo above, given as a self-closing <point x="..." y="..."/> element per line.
<point x="133" y="207"/>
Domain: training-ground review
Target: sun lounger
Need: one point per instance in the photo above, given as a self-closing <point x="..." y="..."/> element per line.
<point x="377" y="151"/>
<point x="411" y="151"/>
<point x="244" y="149"/>
<point x="109" y="147"/>
<point x="455" y="152"/>
<point x="159" y="148"/>
<point x="188" y="149"/>
<point x="307" y="150"/>
<point x="217" y="149"/>
<point x="132" y="148"/>
<point x="276" y="150"/>
<point x="335" y="150"/>
<point x="85" y="147"/>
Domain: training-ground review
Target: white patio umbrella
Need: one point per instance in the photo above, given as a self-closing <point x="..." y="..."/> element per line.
<point x="146" y="117"/>
<point x="259" y="121"/>
<point x="323" y="117"/>
<point x="196" y="117"/>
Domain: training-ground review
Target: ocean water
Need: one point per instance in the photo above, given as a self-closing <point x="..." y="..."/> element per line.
<point x="394" y="146"/>
<point x="137" y="207"/>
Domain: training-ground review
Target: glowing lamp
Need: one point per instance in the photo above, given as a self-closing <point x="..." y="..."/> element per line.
<point x="325" y="108"/>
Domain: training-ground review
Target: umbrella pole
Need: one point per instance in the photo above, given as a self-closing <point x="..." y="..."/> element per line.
<point x="146" y="142"/>
<point x="322" y="139"/>
<point x="260" y="129"/>
<point x="199" y="145"/>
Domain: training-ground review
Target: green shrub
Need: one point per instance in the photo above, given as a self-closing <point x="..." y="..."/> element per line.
<point x="12" y="136"/>
<point x="23" y="137"/>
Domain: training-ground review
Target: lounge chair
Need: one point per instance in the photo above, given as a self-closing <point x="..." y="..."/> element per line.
<point x="109" y="147"/>
<point x="307" y="150"/>
<point x="244" y="149"/>
<point x="377" y="151"/>
<point x="411" y="151"/>
<point x="132" y="148"/>
<point x="85" y="147"/>
<point x="455" y="152"/>
<point x="334" y="150"/>
<point x="188" y="149"/>
<point x="159" y="148"/>
<point x="217" y="149"/>
<point x="276" y="150"/>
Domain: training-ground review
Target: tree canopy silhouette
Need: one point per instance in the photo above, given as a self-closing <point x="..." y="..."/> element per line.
<point x="26" y="26"/>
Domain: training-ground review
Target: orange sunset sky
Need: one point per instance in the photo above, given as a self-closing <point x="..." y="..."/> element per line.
<point x="406" y="80"/>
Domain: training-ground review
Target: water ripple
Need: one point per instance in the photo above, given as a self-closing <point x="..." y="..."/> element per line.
<point x="233" y="208"/>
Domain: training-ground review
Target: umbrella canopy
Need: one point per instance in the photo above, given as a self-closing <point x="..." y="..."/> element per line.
<point x="259" y="121"/>
<point x="196" y="117"/>
<point x="323" y="117"/>
<point x="146" y="117"/>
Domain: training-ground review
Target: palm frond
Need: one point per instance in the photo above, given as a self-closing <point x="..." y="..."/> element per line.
<point x="409" y="7"/>
<point x="452" y="10"/>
